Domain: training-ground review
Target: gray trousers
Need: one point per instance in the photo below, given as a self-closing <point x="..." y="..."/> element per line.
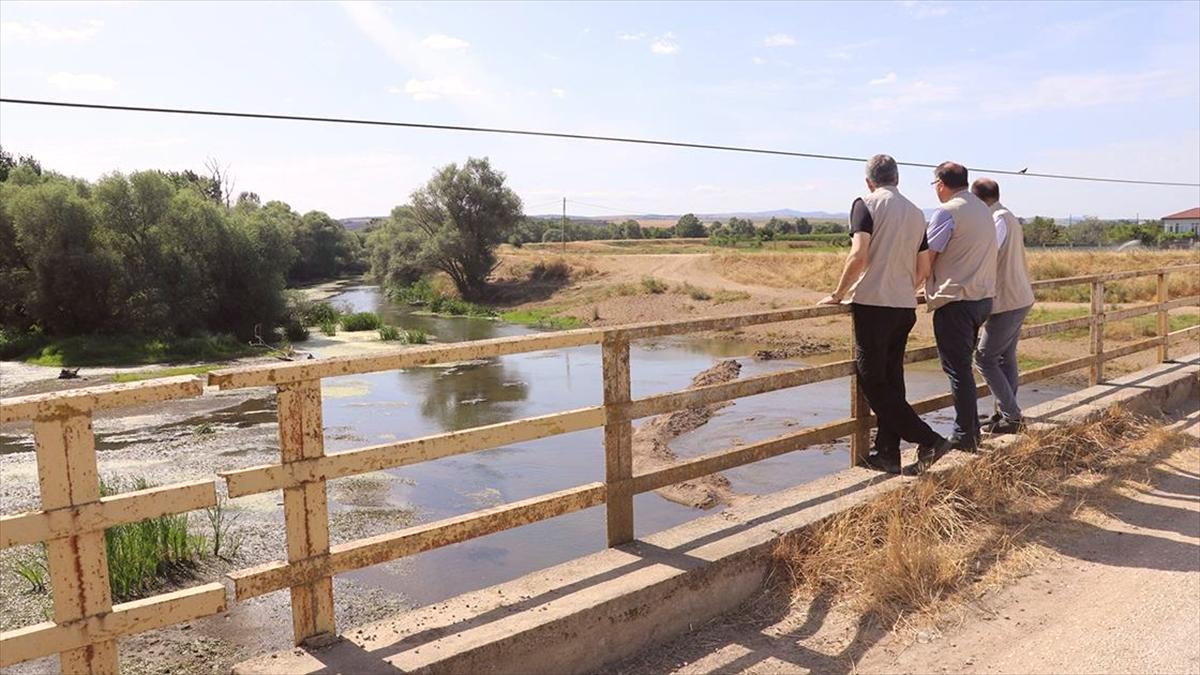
<point x="996" y="359"/>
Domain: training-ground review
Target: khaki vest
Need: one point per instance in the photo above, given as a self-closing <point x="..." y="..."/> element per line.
<point x="891" y="274"/>
<point x="1012" y="275"/>
<point x="966" y="270"/>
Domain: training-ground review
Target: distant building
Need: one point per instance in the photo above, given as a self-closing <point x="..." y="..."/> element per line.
<point x="1184" y="222"/>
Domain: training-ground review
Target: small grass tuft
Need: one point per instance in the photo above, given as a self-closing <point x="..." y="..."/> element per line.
<point x="34" y="571"/>
<point x="143" y="555"/>
<point x="329" y="328"/>
<point x="390" y="333"/>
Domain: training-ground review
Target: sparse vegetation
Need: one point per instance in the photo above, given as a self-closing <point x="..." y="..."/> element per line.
<point x="541" y="318"/>
<point x="33" y="570"/>
<point x="329" y="328"/>
<point x="653" y="286"/>
<point x="389" y="333"/>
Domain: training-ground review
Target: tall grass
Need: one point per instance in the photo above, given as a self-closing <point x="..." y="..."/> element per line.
<point x="142" y="555"/>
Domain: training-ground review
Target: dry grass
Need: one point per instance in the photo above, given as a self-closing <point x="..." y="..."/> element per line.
<point x="820" y="271"/>
<point x="923" y="543"/>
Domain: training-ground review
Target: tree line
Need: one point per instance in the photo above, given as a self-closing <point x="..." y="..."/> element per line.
<point x="165" y="253"/>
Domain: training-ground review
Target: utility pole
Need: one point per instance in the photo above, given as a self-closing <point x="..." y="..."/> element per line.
<point x="564" y="226"/>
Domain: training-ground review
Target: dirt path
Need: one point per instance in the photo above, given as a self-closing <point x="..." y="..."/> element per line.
<point x="1111" y="593"/>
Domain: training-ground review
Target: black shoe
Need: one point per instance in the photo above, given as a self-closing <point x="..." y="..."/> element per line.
<point x="964" y="444"/>
<point x="990" y="419"/>
<point x="927" y="455"/>
<point x="886" y="463"/>
<point x="1004" y="427"/>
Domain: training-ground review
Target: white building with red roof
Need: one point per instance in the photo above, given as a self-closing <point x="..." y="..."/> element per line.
<point x="1184" y="222"/>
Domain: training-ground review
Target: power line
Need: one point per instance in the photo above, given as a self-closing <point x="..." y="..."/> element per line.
<point x="622" y="212"/>
<point x="554" y="134"/>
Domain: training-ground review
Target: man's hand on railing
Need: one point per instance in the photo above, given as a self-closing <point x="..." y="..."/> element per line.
<point x="831" y="299"/>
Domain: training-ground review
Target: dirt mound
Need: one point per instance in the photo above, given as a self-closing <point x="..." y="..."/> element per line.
<point x="651" y="452"/>
<point x="802" y="346"/>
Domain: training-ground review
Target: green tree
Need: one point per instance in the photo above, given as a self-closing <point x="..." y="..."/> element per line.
<point x="803" y="226"/>
<point x="464" y="213"/>
<point x="1042" y="232"/>
<point x="631" y="229"/>
<point x="689" y="225"/>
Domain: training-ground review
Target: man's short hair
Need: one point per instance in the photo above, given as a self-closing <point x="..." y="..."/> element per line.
<point x="881" y="170"/>
<point x="951" y="174"/>
<point x="986" y="189"/>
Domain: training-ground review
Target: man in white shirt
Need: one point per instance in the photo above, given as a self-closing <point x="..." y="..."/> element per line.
<point x="996" y="356"/>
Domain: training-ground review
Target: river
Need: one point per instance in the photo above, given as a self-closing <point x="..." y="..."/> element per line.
<point x="376" y="408"/>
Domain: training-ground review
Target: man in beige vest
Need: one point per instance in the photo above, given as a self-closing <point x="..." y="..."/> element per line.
<point x="888" y="257"/>
<point x="962" y="241"/>
<point x="996" y="356"/>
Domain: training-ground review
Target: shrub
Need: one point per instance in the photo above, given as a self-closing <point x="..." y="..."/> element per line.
<point x="415" y="336"/>
<point x="329" y="328"/>
<point x="318" y="313"/>
<point x="143" y="554"/>
<point x="295" y="331"/>
<point x="554" y="270"/>
<point x="361" y="321"/>
<point x="652" y="285"/>
<point x="694" y="292"/>
<point x="389" y="333"/>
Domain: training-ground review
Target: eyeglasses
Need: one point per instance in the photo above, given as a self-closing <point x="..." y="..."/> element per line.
<point x="936" y="181"/>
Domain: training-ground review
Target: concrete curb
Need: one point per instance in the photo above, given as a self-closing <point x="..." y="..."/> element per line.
<point x="579" y="616"/>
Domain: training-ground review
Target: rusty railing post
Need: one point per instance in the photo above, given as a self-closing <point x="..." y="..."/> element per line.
<point x="305" y="507"/>
<point x="1164" y="326"/>
<point x="1096" y="374"/>
<point x="860" y="410"/>
<point x="618" y="441"/>
<point x="67" y="474"/>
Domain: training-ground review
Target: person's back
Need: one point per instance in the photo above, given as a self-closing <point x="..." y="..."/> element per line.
<point x="1013" y="290"/>
<point x="966" y="268"/>
<point x="891" y="274"/>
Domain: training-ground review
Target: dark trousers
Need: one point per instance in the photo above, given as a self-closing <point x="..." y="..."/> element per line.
<point x="956" y="327"/>
<point x="880" y="336"/>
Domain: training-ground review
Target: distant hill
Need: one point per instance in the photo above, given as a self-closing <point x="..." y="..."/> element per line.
<point x="663" y="219"/>
<point x="358" y="223"/>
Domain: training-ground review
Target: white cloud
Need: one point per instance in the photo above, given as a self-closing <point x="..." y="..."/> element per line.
<point x="631" y="37"/>
<point x="890" y="78"/>
<point x="919" y="93"/>
<point x="435" y="88"/>
<point x="82" y="82"/>
<point x="665" y="44"/>
<point x="924" y="8"/>
<point x="779" y="40"/>
<point x="439" y="41"/>
<point x="559" y="93"/>
<point x="1082" y="91"/>
<point x="36" y="31"/>
<point x="758" y="60"/>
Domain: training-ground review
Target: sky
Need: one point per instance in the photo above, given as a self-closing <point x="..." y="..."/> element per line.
<point x="1103" y="89"/>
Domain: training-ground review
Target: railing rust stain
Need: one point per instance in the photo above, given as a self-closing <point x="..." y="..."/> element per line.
<point x="86" y="625"/>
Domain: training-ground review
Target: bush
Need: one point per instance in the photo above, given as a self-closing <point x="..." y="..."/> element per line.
<point x="295" y="331"/>
<point x="554" y="270"/>
<point x="361" y="321"/>
<point x="329" y="328"/>
<point x="654" y="286"/>
<point x="142" y="555"/>
<point x="390" y="333"/>
<point x="415" y="336"/>
<point x="318" y="313"/>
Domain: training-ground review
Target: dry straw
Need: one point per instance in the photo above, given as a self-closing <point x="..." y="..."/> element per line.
<point x="919" y="544"/>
